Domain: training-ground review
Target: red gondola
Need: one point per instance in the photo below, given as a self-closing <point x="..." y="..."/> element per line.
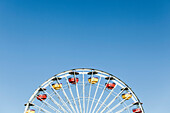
<point x="73" y="81"/>
<point x="137" y="110"/>
<point x="110" y="85"/>
<point x="41" y="97"/>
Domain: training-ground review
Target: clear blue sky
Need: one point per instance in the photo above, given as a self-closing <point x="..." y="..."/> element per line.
<point x="128" y="38"/>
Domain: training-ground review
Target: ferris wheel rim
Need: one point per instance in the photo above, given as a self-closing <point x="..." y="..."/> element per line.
<point x="83" y="69"/>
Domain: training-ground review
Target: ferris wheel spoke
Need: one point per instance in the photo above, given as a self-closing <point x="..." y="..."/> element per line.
<point x="41" y="109"/>
<point x="50" y="106"/>
<point x="66" y="97"/>
<point x="113" y="100"/>
<point x="101" y="95"/>
<point x="72" y="94"/>
<point x="78" y="94"/>
<point x="83" y="96"/>
<point x="54" y="101"/>
<point x="95" y="95"/>
<point x="105" y="100"/>
<point x="118" y="104"/>
<point x="125" y="108"/>
<point x="55" y="92"/>
<point x="48" y="83"/>
<point x="89" y="94"/>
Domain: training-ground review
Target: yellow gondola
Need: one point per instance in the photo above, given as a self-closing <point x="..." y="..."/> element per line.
<point x="30" y="111"/>
<point x="127" y="96"/>
<point x="93" y="80"/>
<point x="57" y="86"/>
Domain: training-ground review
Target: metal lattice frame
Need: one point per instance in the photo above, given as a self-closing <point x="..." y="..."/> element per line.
<point x="83" y="97"/>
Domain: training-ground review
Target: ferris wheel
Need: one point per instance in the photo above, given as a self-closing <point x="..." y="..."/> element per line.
<point x="83" y="90"/>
